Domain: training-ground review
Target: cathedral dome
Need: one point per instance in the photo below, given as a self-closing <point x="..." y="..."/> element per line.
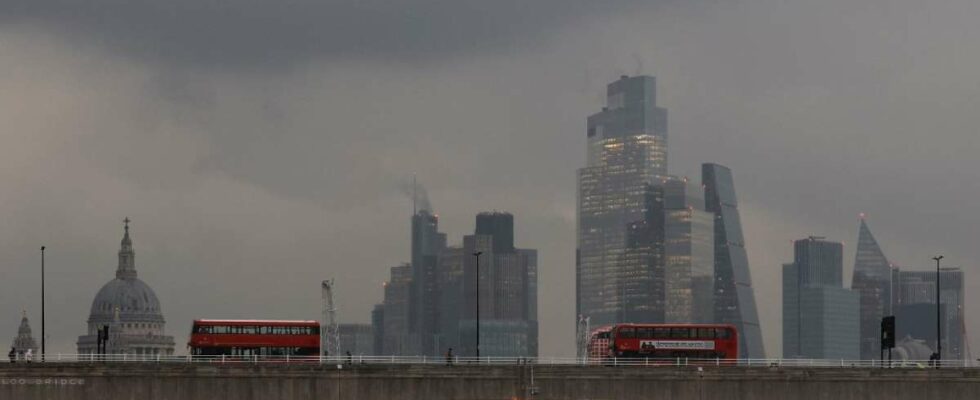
<point x="129" y="307"/>
<point x="135" y="299"/>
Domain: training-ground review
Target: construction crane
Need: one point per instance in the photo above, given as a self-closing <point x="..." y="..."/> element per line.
<point x="329" y="332"/>
<point x="582" y="332"/>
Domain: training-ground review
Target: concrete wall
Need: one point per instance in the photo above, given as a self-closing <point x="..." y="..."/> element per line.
<point x="387" y="382"/>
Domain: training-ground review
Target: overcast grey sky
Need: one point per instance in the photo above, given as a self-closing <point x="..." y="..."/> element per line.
<point x="260" y="147"/>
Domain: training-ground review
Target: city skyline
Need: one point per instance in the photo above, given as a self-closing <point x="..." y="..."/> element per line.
<point x="255" y="167"/>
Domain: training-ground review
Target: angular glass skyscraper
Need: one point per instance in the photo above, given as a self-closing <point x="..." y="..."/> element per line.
<point x="872" y="280"/>
<point x="734" y="297"/>
<point x="619" y="236"/>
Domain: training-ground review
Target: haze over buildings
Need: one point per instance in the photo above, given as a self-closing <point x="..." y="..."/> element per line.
<point x="652" y="249"/>
<point x="260" y="160"/>
<point x="432" y="304"/>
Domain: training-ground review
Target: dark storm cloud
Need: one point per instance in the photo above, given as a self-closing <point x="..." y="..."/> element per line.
<point x="260" y="33"/>
<point x="262" y="146"/>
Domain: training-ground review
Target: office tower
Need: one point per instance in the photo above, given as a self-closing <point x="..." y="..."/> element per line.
<point x="451" y="298"/>
<point x="619" y="236"/>
<point x="914" y="294"/>
<point x="499" y="225"/>
<point x="427" y="243"/>
<point x="819" y="262"/>
<point x="531" y="258"/>
<point x="357" y="339"/>
<point x="820" y="317"/>
<point x="872" y="280"/>
<point x="734" y="297"/>
<point x="397" y="339"/>
<point x="377" y="329"/>
<point x="507" y="286"/>
<point x="689" y="254"/>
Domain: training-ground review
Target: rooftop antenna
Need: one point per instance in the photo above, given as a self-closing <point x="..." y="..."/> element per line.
<point x="415" y="196"/>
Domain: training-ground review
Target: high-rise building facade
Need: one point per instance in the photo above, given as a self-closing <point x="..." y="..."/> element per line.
<point x="397" y="339"/>
<point x="356" y="339"/>
<point x="378" y="329"/>
<point x="872" y="280"/>
<point x="427" y="244"/>
<point x="430" y="309"/>
<point x="507" y="284"/>
<point x="914" y="294"/>
<point x="619" y="242"/>
<point x="820" y="317"/>
<point x="688" y="254"/>
<point x="734" y="297"/>
<point x="819" y="262"/>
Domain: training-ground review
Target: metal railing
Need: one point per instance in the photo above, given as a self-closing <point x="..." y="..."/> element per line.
<point x="463" y="361"/>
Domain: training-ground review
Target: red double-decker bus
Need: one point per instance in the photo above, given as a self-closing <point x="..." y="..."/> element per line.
<point x="216" y="337"/>
<point x="688" y="341"/>
<point x="600" y="341"/>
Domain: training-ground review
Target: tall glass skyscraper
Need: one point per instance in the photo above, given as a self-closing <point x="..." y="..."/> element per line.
<point x="734" y="297"/>
<point x="689" y="254"/>
<point x="620" y="233"/>
<point x="872" y="280"/>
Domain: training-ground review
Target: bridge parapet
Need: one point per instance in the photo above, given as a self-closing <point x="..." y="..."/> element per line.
<point x="193" y="381"/>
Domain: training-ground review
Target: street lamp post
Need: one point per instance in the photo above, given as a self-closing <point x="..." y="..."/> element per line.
<point x="477" y="255"/>
<point x="939" y="336"/>
<point x="43" y="337"/>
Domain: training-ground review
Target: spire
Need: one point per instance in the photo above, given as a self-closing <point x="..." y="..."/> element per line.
<point x="127" y="258"/>
<point x="25" y="325"/>
<point x="25" y="339"/>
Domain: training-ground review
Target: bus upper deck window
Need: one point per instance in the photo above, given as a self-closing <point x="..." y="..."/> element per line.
<point x="627" y="333"/>
<point x="722" y="333"/>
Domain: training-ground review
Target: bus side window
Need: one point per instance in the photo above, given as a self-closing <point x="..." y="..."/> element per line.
<point x="678" y="333"/>
<point x="706" y="333"/>
<point x="627" y="333"/>
<point x="722" y="333"/>
<point x="661" y="333"/>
